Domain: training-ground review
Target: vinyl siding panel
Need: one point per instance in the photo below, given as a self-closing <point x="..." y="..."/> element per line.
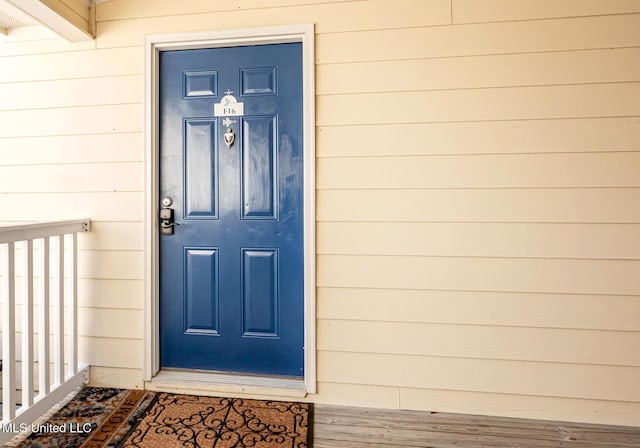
<point x="121" y="10"/>
<point x="482" y="342"/>
<point x="477" y="193"/>
<point x="72" y="65"/>
<point x="506" y="10"/>
<point x="101" y="303"/>
<point x="497" y="376"/>
<point x="122" y="294"/>
<point x="71" y="121"/>
<point x="116" y="377"/>
<point x="495" y="308"/>
<point x="524" y="103"/>
<point x="93" y="322"/>
<point x="71" y="178"/>
<point x="535" y="240"/>
<point x="73" y="92"/>
<point x="516" y="137"/>
<point x="117" y="265"/>
<point x="455" y="118"/>
<point x="114" y="236"/>
<point x="104" y="206"/>
<point x="329" y="17"/>
<point x="357" y="395"/>
<point x="110" y="352"/>
<point x="506" y="70"/>
<point x="51" y="43"/>
<point x="72" y="149"/>
<point x="545" y="408"/>
<point x="569" y="276"/>
<point x="550" y="205"/>
<point x="479" y="39"/>
<point x="608" y="169"/>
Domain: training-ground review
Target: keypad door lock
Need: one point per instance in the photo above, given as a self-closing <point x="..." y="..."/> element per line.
<point x="167" y="223"/>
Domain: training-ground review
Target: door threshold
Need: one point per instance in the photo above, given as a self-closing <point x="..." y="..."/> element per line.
<point x="226" y="384"/>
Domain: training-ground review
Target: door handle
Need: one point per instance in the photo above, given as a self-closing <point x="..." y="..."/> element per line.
<point x="167" y="217"/>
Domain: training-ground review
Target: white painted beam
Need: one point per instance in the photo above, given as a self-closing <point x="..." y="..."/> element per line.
<point x="58" y="17"/>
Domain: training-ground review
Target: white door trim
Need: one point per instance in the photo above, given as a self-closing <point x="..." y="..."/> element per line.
<point x="153" y="45"/>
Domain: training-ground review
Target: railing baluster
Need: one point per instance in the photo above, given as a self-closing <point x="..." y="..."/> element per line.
<point x="27" y="324"/>
<point x="72" y="306"/>
<point x="58" y="317"/>
<point x="57" y="284"/>
<point x="44" y="382"/>
<point x="9" y="334"/>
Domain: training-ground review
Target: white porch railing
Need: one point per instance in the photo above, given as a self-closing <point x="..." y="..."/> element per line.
<point x="38" y="278"/>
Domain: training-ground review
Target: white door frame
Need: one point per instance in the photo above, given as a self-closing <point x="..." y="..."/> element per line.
<point x="153" y="45"/>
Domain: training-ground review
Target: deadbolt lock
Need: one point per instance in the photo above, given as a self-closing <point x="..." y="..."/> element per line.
<point x="167" y="217"/>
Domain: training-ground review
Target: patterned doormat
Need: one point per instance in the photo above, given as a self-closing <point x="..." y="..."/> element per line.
<point x="104" y="417"/>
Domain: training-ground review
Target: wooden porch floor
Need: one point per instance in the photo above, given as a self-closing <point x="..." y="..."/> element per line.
<point x="351" y="427"/>
<point x="345" y="427"/>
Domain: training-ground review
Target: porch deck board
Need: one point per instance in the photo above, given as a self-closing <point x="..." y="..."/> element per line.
<point x="348" y="427"/>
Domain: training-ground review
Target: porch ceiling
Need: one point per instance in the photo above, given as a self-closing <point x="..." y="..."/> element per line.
<point x="13" y="17"/>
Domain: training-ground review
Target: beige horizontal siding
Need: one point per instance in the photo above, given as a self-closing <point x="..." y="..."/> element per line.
<point x="110" y="352"/>
<point x="71" y="149"/>
<point x="328" y="17"/>
<point x="357" y="395"/>
<point x="73" y="92"/>
<point x="100" y="351"/>
<point x="459" y="229"/>
<point x="480" y="39"/>
<point x="518" y="103"/>
<point x="566" y="276"/>
<point x="49" y="44"/>
<point x="99" y="376"/>
<point x="71" y="121"/>
<point x="505" y="70"/>
<point x="72" y="65"/>
<point x="538" y="310"/>
<point x="116" y="377"/>
<point x="95" y="293"/>
<point x="72" y="178"/>
<point x="110" y="323"/>
<point x="597" y="241"/>
<point x="119" y="293"/>
<point x="506" y="10"/>
<point x="516" y="137"/>
<point x="483" y="342"/>
<point x="509" y="405"/>
<point x="114" y="206"/>
<point x="614" y="205"/>
<point x="608" y="169"/>
<point x="479" y="375"/>
<point x="113" y="236"/>
<point x="121" y="10"/>
<point x="118" y="265"/>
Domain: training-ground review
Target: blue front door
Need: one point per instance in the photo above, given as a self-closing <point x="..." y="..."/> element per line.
<point x="231" y="274"/>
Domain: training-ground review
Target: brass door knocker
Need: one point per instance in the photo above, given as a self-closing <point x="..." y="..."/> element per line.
<point x="229" y="137"/>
